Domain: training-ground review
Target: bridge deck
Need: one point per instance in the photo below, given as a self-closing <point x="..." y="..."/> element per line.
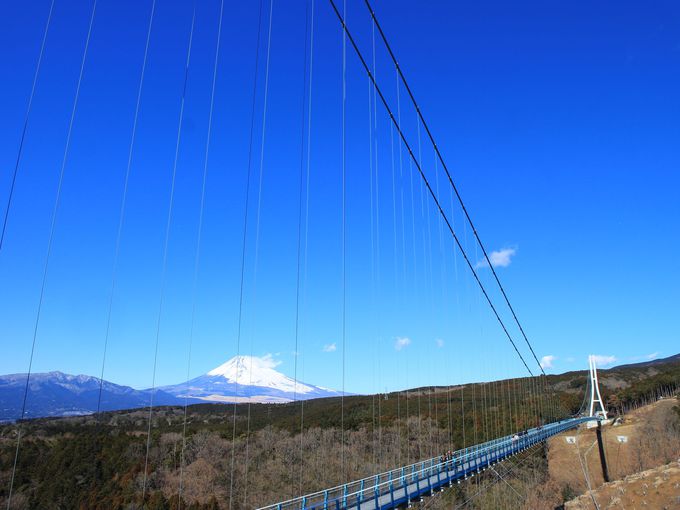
<point x="402" y="485"/>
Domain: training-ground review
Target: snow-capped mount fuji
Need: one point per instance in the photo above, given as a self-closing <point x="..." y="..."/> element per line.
<point x="251" y="371"/>
<point x="247" y="379"/>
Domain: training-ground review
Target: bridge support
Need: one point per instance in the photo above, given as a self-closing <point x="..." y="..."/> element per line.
<point x="595" y="397"/>
<point x="600" y="447"/>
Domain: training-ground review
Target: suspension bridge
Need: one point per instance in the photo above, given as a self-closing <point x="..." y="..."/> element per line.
<point x="405" y="485"/>
<point x="503" y="419"/>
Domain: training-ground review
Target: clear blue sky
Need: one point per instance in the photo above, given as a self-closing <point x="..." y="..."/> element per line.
<point x="560" y="122"/>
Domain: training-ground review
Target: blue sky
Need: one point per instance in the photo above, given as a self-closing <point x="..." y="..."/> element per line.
<point x="559" y="122"/>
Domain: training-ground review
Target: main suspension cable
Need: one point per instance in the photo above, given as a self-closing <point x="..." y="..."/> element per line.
<point x="448" y="175"/>
<point x="427" y="183"/>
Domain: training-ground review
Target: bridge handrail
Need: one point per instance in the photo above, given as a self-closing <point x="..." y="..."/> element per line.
<point x="463" y="454"/>
<point x="408" y="467"/>
<point x="478" y="448"/>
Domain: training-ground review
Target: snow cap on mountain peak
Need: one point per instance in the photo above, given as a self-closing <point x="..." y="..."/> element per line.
<point x="258" y="371"/>
<point x="245" y="363"/>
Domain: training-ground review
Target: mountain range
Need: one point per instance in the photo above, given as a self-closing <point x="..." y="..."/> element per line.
<point x="241" y="379"/>
<point x="246" y="379"/>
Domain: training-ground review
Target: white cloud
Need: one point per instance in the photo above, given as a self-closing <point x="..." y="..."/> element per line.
<point x="645" y="357"/>
<point x="267" y="361"/>
<point x="547" y="361"/>
<point x="498" y="258"/>
<point x="602" y="360"/>
<point x="570" y="359"/>
<point x="439" y="342"/>
<point x="330" y="347"/>
<point x="401" y="342"/>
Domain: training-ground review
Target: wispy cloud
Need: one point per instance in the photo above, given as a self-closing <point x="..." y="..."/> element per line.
<point x="498" y="258"/>
<point x="267" y="360"/>
<point x="645" y="357"/>
<point x="439" y="342"/>
<point x="401" y="342"/>
<point x="547" y="361"/>
<point x="330" y="347"/>
<point x="604" y="360"/>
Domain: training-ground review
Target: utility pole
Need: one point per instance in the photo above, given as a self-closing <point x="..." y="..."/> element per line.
<point x="600" y="447"/>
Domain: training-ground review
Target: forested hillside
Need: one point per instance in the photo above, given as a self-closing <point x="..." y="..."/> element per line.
<point x="245" y="456"/>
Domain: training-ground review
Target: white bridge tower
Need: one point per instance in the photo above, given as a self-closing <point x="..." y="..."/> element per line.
<point x="595" y="397"/>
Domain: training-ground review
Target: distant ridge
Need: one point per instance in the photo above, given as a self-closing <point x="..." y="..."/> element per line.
<point x="59" y="394"/>
<point x="642" y="364"/>
<point x="241" y="379"/>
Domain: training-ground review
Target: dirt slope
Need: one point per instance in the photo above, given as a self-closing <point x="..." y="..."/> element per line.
<point x="649" y="444"/>
<point x="657" y="489"/>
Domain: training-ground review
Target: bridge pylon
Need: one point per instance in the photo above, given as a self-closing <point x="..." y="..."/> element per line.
<point x="595" y="397"/>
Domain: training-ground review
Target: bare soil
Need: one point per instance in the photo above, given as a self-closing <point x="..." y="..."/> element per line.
<point x="622" y="458"/>
<point x="657" y="489"/>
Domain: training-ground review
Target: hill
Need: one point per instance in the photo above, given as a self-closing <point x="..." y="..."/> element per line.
<point x="654" y="488"/>
<point x="652" y="438"/>
<point x="247" y="379"/>
<point x="256" y="453"/>
<point x="59" y="394"/>
<point x="625" y="386"/>
<point x="645" y="470"/>
<point x="241" y="379"/>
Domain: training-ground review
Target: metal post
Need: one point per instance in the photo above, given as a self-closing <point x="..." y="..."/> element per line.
<point x="391" y="489"/>
<point x="405" y="486"/>
<point x="376" y="491"/>
<point x="600" y="446"/>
